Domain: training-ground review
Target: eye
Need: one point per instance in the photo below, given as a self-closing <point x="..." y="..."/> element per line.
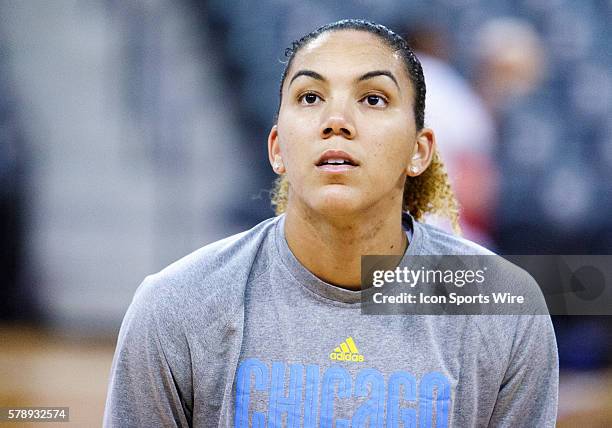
<point x="309" y="98"/>
<point x="375" y="100"/>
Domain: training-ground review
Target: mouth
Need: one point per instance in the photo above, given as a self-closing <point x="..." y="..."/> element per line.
<point x="336" y="161"/>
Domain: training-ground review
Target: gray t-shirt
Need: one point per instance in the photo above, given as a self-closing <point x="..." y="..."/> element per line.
<point x="240" y="334"/>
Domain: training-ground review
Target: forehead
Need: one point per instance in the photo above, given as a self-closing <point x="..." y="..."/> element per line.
<point x="348" y="53"/>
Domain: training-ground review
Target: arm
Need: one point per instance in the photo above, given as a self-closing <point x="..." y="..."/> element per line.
<point x="150" y="375"/>
<point x="529" y="391"/>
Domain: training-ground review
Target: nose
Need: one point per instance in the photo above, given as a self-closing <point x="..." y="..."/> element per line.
<point x="337" y="124"/>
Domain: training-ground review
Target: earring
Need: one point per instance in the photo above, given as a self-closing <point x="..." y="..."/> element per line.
<point x="278" y="164"/>
<point x="414" y="169"/>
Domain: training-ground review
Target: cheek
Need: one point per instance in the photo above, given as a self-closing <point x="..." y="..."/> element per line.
<point x="295" y="161"/>
<point x="390" y="150"/>
<point x="298" y="138"/>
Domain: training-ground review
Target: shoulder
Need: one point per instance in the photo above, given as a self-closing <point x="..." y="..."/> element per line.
<point x="210" y="280"/>
<point x="502" y="276"/>
<point x="228" y="257"/>
<point x="438" y="242"/>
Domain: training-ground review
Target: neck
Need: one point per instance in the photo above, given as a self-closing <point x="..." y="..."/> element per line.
<point x="331" y="248"/>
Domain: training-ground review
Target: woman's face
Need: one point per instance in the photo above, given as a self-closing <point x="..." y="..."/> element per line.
<point x="346" y="98"/>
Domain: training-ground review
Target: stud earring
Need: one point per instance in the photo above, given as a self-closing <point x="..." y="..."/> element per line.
<point x="414" y="169"/>
<point x="278" y="164"/>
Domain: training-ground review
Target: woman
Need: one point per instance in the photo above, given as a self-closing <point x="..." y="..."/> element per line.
<point x="265" y="327"/>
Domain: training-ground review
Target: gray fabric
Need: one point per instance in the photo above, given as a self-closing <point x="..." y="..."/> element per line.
<point x="239" y="333"/>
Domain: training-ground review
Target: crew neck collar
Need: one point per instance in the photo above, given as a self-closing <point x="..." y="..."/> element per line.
<point x="307" y="279"/>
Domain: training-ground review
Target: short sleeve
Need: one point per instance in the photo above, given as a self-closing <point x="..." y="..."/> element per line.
<point x="528" y="394"/>
<point x="150" y="375"/>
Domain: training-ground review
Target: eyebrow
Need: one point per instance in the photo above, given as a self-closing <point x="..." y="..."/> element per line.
<point x="376" y="73"/>
<point x="366" y="76"/>
<point x="308" y="73"/>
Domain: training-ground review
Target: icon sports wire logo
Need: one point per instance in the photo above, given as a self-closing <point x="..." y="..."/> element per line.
<point x="347" y="351"/>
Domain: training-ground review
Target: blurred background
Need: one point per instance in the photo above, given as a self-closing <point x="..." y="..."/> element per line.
<point x="134" y="132"/>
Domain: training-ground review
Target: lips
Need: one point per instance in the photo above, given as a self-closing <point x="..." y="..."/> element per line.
<point x="335" y="159"/>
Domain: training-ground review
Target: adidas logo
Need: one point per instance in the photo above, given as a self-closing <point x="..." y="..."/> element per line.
<point x="347" y="351"/>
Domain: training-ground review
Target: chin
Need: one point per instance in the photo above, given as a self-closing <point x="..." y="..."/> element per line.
<point x="337" y="201"/>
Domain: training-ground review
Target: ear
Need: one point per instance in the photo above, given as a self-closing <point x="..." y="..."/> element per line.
<point x="274" y="154"/>
<point x="422" y="152"/>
